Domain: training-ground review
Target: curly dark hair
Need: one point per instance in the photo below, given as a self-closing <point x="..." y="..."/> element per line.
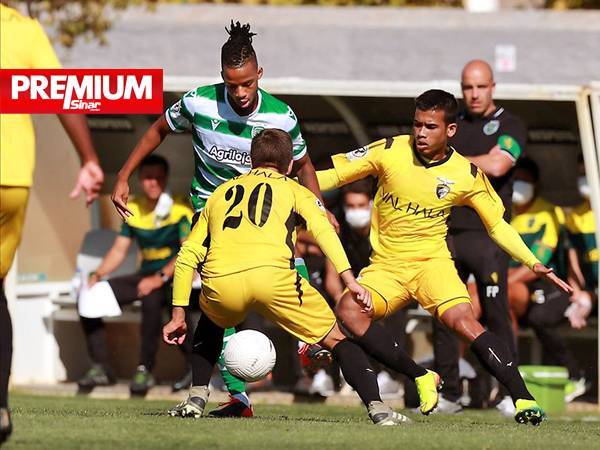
<point x="238" y="49"/>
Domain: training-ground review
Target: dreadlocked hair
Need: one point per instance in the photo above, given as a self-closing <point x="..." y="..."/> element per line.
<point x="238" y="48"/>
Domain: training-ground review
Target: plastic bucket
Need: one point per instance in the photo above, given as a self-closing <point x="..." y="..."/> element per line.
<point x="547" y="385"/>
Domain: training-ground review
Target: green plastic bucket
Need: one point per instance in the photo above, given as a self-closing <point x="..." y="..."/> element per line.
<point x="301" y="268"/>
<point x="547" y="385"/>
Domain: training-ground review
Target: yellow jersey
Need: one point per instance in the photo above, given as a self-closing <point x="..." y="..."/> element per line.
<point x="159" y="239"/>
<point x="581" y="230"/>
<point x="23" y="45"/>
<point x="250" y="221"/>
<point x="414" y="198"/>
<point x="540" y="228"/>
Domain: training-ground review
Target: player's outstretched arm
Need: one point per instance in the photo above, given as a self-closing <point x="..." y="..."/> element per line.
<point x="146" y="145"/>
<point x="545" y="272"/>
<point x="509" y="240"/>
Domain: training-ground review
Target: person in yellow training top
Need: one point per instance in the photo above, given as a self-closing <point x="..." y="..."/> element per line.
<point x="419" y="179"/>
<point x="581" y="229"/>
<point x="244" y="242"/>
<point x="24" y="45"/>
<point x="534" y="301"/>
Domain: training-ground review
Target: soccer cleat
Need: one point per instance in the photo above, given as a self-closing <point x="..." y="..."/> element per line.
<point x="232" y="408"/>
<point x="574" y="389"/>
<point x="194" y="405"/>
<point x="383" y="415"/>
<point x="142" y="381"/>
<point x="96" y="376"/>
<point x="5" y="424"/>
<point x="528" y="411"/>
<point x="314" y="357"/>
<point x="428" y="386"/>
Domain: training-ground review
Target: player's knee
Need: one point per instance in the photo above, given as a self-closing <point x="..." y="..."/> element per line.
<point x="333" y="337"/>
<point x="461" y="320"/>
<point x="349" y="313"/>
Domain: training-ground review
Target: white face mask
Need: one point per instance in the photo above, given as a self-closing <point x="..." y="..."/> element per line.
<point x="584" y="187"/>
<point x="522" y="192"/>
<point x="163" y="207"/>
<point x="358" y="217"/>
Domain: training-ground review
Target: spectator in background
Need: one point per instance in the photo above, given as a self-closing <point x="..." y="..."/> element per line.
<point x="583" y="253"/>
<point x="159" y="224"/>
<point x="533" y="301"/>
<point x="492" y="139"/>
<point x="24" y="45"/>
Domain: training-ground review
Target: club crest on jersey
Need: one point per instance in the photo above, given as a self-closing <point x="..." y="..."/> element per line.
<point x="491" y="127"/>
<point x="443" y="188"/>
<point x="358" y="153"/>
<point x="320" y="205"/>
<point x="256" y="131"/>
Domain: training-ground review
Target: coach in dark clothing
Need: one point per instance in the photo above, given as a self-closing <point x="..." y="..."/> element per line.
<point x="493" y="139"/>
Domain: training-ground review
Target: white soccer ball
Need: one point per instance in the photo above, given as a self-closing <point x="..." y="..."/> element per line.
<point x="250" y="355"/>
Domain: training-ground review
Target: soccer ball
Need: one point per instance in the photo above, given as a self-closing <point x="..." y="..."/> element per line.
<point x="249" y="355"/>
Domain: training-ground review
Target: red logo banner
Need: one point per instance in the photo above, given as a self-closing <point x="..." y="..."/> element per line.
<point x="81" y="91"/>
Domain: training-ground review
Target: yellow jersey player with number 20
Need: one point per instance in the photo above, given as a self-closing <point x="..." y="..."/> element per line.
<point x="244" y="242"/>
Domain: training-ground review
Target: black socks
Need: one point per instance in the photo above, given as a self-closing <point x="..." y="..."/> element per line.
<point x="495" y="356"/>
<point x="357" y="371"/>
<point x="380" y="344"/>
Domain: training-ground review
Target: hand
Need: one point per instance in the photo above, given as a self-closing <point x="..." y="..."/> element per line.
<point x="542" y="271"/>
<point x="119" y="198"/>
<point x="579" y="309"/>
<point x="362" y="296"/>
<point x="333" y="221"/>
<point x="93" y="279"/>
<point x="89" y="180"/>
<point x="175" y="331"/>
<point x="149" y="284"/>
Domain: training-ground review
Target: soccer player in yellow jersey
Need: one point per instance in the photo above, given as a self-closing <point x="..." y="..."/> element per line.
<point x="244" y="242"/>
<point x="24" y="45"/>
<point x="419" y="179"/>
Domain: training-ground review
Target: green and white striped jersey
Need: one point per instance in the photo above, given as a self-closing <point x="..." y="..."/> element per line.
<point x="221" y="138"/>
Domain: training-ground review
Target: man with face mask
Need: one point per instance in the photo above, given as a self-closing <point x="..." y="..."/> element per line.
<point x="492" y="139"/>
<point x="534" y="301"/>
<point x="583" y="264"/>
<point x="581" y="227"/>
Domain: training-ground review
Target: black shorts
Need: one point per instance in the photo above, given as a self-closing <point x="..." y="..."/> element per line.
<point x="474" y="252"/>
<point x="547" y="302"/>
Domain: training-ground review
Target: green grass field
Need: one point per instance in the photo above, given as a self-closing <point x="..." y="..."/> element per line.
<point x="68" y="423"/>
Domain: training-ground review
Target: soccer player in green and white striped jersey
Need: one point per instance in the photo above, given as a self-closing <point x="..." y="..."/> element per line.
<point x="222" y="118"/>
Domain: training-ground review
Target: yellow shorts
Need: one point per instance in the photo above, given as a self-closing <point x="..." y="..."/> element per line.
<point x="280" y="295"/>
<point x="13" y="204"/>
<point x="433" y="283"/>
